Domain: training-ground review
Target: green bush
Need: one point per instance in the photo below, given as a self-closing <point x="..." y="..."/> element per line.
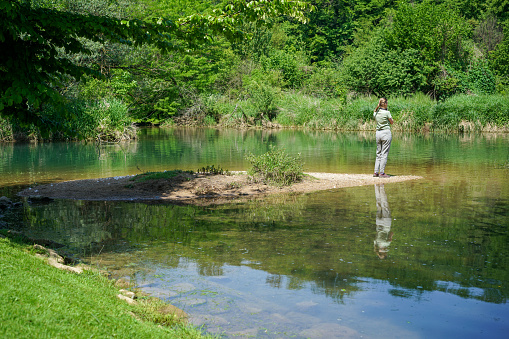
<point x="392" y="72"/>
<point x="263" y="100"/>
<point x="499" y="58"/>
<point x="6" y="132"/>
<point x="119" y="85"/>
<point x="276" y="167"/>
<point x="476" y="79"/>
<point x="481" y="79"/>
<point x="325" y="83"/>
<point x="289" y="64"/>
<point x="102" y="120"/>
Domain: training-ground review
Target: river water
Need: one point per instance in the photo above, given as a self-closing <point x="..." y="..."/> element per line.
<point x="417" y="259"/>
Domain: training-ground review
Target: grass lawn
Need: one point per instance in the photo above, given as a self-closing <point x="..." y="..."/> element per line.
<point x="40" y="301"/>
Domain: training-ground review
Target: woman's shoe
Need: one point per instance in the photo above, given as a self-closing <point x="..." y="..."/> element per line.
<point x="375" y="175"/>
<point x="383" y="175"/>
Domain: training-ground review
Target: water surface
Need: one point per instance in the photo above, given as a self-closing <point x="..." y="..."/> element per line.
<point x="407" y="260"/>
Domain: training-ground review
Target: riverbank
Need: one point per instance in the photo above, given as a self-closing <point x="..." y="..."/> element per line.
<point x="417" y="113"/>
<point x="39" y="300"/>
<point x="197" y="188"/>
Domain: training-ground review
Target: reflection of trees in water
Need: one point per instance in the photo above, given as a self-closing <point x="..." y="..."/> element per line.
<point x="113" y="151"/>
<point x="298" y="240"/>
<point x="211" y="269"/>
<point x="80" y="224"/>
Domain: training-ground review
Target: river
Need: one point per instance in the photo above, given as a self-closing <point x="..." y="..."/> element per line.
<point x="417" y="259"/>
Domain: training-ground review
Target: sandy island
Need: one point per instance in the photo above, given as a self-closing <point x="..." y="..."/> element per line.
<point x="195" y="188"/>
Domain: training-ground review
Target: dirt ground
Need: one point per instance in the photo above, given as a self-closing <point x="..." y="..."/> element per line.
<point x="198" y="189"/>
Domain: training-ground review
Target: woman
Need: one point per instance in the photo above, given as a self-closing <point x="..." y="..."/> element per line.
<point x="383" y="137"/>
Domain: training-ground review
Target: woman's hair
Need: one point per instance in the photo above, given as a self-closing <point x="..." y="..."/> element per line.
<point x="380" y="102"/>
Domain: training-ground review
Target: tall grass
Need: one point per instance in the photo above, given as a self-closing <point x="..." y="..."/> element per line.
<point x="102" y="120"/>
<point x="295" y="109"/>
<point x="466" y="113"/>
<point x="411" y="113"/>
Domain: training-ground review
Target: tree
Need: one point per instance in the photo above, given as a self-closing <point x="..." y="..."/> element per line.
<point x="500" y="59"/>
<point x="335" y="23"/>
<point x="434" y="30"/>
<point x="32" y="67"/>
<point x="500" y="8"/>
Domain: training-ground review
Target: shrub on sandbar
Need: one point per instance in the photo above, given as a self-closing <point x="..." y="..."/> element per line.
<point x="276" y="167"/>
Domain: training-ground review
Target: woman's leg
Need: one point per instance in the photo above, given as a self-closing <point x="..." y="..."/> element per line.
<point x="378" y="151"/>
<point x="385" y="146"/>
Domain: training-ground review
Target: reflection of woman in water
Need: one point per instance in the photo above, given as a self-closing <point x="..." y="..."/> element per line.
<point x="383" y="223"/>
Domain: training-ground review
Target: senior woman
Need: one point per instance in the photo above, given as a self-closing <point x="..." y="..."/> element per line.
<point x="383" y="137"/>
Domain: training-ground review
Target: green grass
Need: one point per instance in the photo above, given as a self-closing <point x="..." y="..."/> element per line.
<point x="467" y="113"/>
<point x="159" y="175"/>
<point x="276" y="167"/>
<point x="40" y="301"/>
<point x="105" y="120"/>
<point x="411" y="113"/>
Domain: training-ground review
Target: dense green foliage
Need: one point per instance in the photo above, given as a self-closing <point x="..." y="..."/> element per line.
<point x="238" y="63"/>
<point x="49" y="45"/>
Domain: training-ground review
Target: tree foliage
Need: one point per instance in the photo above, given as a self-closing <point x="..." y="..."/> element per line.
<point x="236" y="60"/>
<point x="33" y="68"/>
<point x="434" y="30"/>
<point x="421" y="48"/>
